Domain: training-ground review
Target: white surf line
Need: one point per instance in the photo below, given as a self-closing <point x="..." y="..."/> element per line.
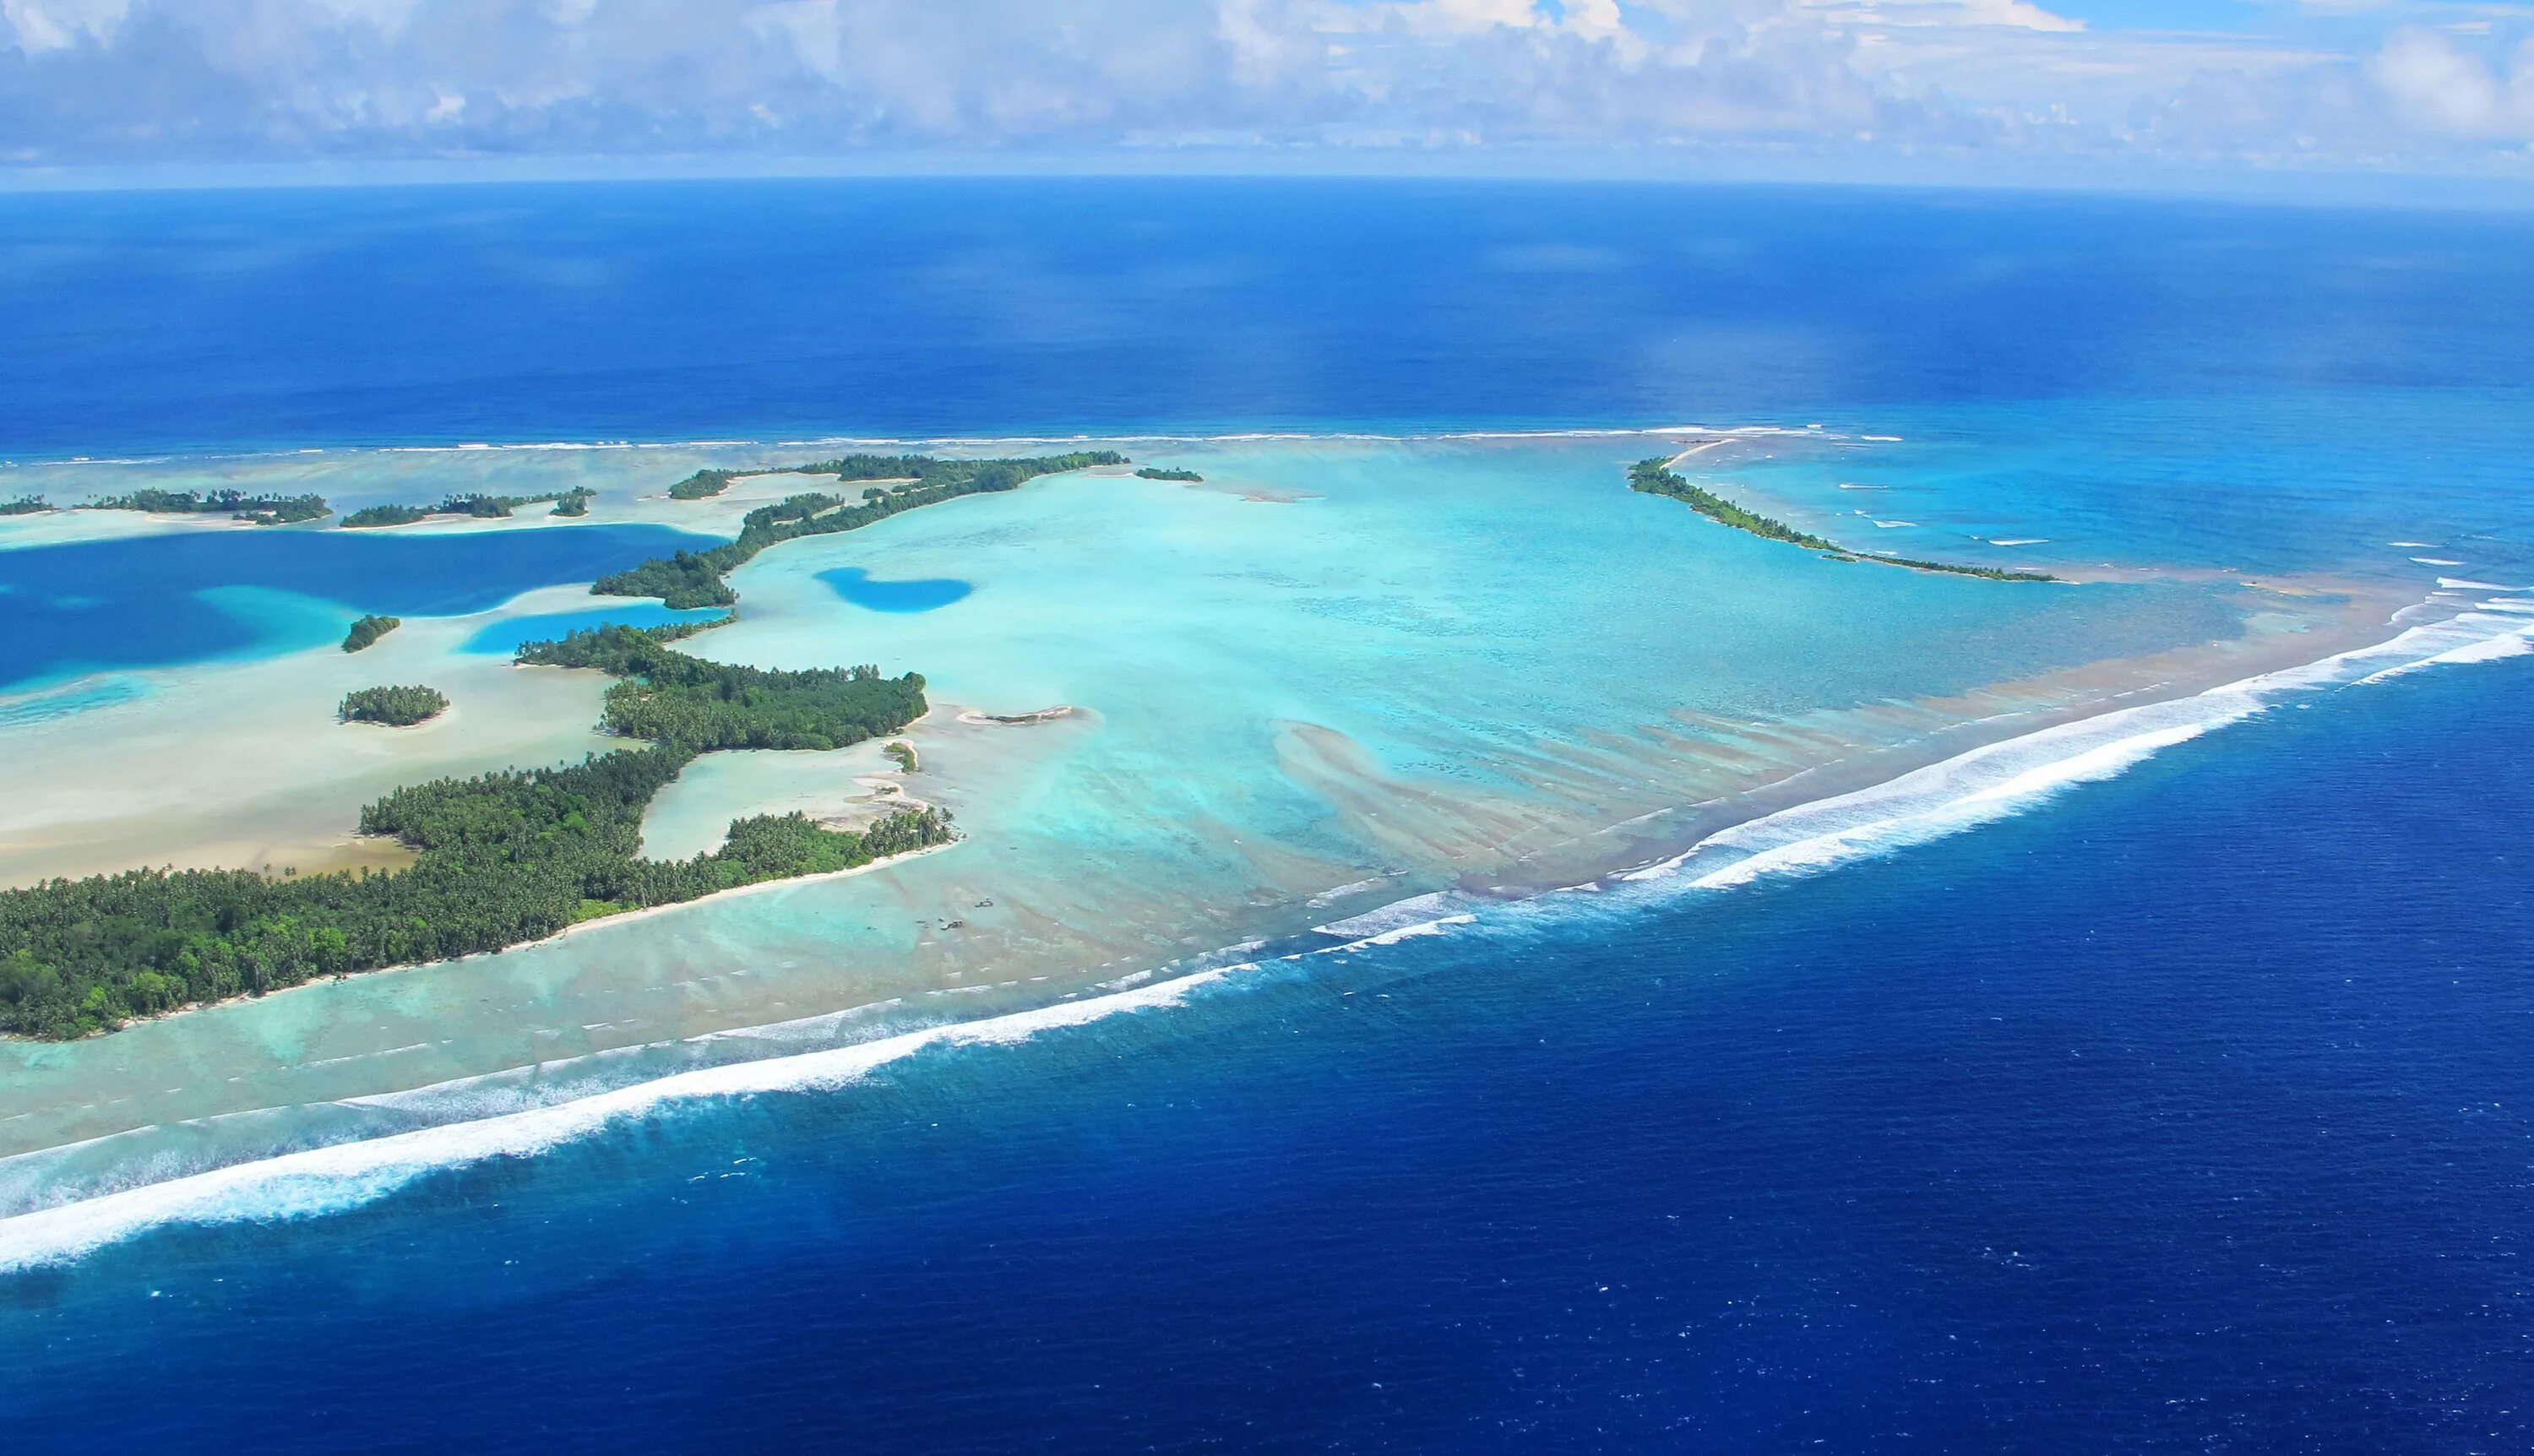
<point x="343" y="1175"/>
<point x="1997" y="779"/>
<point x="968" y="442"/>
<point x="1971" y="788"/>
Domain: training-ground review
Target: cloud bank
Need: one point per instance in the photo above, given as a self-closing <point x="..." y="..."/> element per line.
<point x="90" y="82"/>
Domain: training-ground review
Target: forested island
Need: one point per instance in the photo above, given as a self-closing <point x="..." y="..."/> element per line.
<point x="482" y="507"/>
<point x="501" y="859"/>
<point x="505" y="858"/>
<point x="23" y="505"/>
<point x="396" y="707"/>
<point x="1159" y="473"/>
<point x="668" y="697"/>
<point x="693" y="579"/>
<point x="261" y="510"/>
<point x="703" y="485"/>
<point x="369" y="629"/>
<point x="1657" y="477"/>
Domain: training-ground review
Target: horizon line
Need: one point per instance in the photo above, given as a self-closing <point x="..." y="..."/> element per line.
<point x="2237" y="180"/>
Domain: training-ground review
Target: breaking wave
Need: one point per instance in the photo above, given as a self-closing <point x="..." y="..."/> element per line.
<point x="1975" y="787"/>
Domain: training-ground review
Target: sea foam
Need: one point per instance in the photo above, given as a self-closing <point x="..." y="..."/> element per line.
<point x="343" y="1175"/>
<point x="2000" y="778"/>
<point x="1971" y="788"/>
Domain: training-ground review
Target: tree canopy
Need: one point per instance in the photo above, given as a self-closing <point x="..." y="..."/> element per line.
<point x="1657" y="477"/>
<point x="693" y="579"/>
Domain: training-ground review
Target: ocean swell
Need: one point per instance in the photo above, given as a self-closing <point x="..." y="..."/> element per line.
<point x="1997" y="779"/>
<point x="344" y="1176"/>
<point x="1971" y="788"/>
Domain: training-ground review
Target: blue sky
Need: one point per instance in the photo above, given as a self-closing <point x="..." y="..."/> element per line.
<point x="2047" y="88"/>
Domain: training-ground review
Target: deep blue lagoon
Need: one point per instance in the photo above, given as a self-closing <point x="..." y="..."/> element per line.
<point x="138" y="602"/>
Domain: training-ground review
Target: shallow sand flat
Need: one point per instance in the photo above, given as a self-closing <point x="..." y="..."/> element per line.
<point x="60" y="527"/>
<point x="845" y="788"/>
<point x="1412" y="666"/>
<point x="244" y="765"/>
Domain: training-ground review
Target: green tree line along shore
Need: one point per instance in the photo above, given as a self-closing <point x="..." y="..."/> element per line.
<point x="1159" y="473"/>
<point x="369" y="629"/>
<point x="290" y="509"/>
<point x="503" y="859"/>
<point x="693" y="579"/>
<point x="261" y="510"/>
<point x="1657" y="477"/>
<point x="396" y="707"/>
<point x="573" y="501"/>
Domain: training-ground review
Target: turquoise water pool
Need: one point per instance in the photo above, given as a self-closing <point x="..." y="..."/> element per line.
<point x="879" y="594"/>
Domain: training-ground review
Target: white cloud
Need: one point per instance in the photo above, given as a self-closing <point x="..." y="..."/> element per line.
<point x="2441" y="88"/>
<point x="187" y="79"/>
<point x="40" y="25"/>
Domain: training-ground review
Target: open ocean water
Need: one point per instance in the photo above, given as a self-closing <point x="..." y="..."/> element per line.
<point x="2184" y="1109"/>
<point x="2190" y="1112"/>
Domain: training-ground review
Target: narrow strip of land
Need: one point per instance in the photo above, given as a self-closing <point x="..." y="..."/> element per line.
<point x="1657" y="477"/>
<point x="693" y="579"/>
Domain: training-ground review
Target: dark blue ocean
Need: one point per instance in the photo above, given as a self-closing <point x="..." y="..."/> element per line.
<point x="2190" y="1114"/>
<point x="2186" y="1110"/>
<point x="329" y="317"/>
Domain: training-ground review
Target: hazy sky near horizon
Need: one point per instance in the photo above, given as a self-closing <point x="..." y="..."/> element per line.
<point x="2362" y="85"/>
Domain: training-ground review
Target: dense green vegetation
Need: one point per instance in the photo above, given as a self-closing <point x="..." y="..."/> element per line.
<point x="671" y="697"/>
<point x="23" y="505"/>
<point x="703" y="485"/>
<point x="389" y="515"/>
<point x="693" y="579"/>
<point x="1655" y="477"/>
<point x="501" y="859"/>
<point x="261" y="510"/>
<point x="1157" y="472"/>
<point x="510" y="857"/>
<point x="398" y="707"/>
<point x="369" y="629"/>
<point x="687" y="580"/>
<point x="482" y="507"/>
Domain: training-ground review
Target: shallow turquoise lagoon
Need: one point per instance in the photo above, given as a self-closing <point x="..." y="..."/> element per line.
<point x="924" y="594"/>
<point x="1337" y="674"/>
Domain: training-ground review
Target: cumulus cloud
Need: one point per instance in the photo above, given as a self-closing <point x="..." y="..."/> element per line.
<point x="2440" y="88"/>
<point x="102" y="81"/>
